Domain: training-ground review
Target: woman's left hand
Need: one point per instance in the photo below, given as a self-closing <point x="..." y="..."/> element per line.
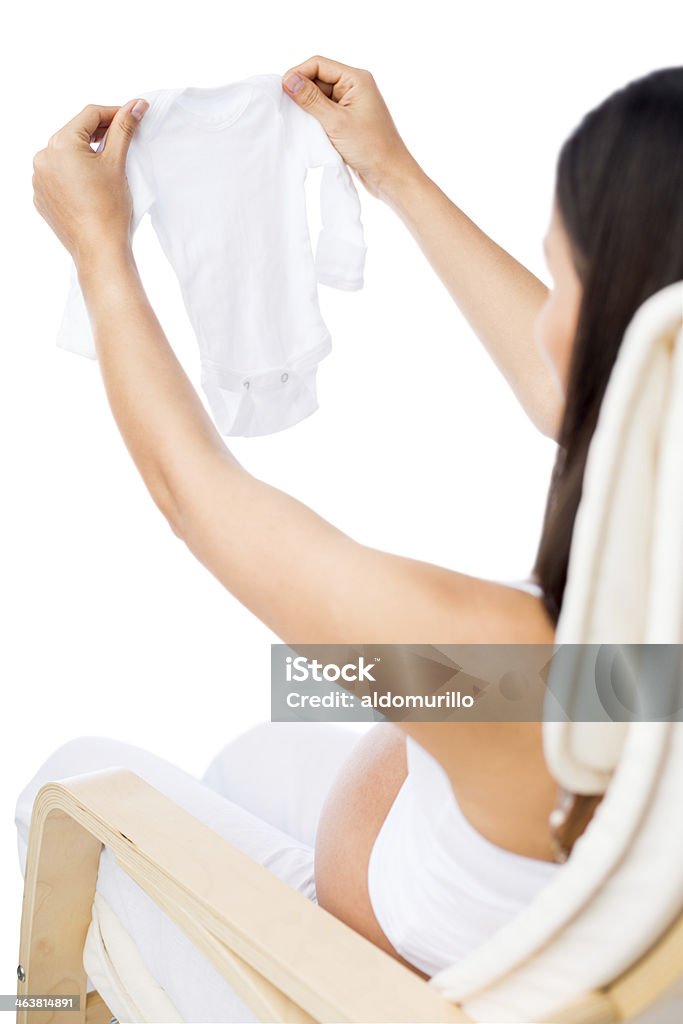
<point x="82" y="194"/>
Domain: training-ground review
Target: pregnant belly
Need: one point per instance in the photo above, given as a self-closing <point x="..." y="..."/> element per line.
<point x="352" y="816"/>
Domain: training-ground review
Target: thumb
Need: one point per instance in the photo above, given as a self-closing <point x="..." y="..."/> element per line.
<point x="122" y="129"/>
<point x="306" y="94"/>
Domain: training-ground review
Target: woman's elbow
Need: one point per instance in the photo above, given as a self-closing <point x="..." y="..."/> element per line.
<point x="546" y="413"/>
<point x="189" y="491"/>
<point x="167" y="499"/>
<point x="170" y="511"/>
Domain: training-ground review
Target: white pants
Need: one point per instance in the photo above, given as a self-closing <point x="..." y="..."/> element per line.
<point x="263" y="792"/>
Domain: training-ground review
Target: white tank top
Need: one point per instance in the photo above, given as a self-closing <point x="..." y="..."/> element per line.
<point x="437" y="886"/>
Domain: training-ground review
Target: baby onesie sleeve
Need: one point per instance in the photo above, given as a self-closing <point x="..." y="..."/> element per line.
<point x="340" y="250"/>
<point x="75" y="331"/>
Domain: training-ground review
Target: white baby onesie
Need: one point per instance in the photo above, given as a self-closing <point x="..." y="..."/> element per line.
<point x="221" y="172"/>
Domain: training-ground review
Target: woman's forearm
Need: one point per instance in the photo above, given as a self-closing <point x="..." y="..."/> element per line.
<point x="274" y="554"/>
<point x="158" y="412"/>
<point x="498" y="296"/>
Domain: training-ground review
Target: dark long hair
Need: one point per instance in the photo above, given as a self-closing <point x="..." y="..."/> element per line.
<point x="619" y="194"/>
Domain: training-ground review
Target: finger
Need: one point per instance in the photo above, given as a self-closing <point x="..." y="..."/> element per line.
<point x="307" y="95"/>
<point x="324" y="87"/>
<point x="84" y="125"/>
<point x="333" y="78"/>
<point x="122" y="129"/>
<point x="326" y="70"/>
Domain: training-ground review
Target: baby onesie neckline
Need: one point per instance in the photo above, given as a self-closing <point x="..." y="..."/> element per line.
<point x="201" y="119"/>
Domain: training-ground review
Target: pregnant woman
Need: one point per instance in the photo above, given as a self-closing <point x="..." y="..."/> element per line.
<point x="425" y="838"/>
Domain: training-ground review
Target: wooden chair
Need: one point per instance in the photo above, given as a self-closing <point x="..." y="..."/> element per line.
<point x="292" y="961"/>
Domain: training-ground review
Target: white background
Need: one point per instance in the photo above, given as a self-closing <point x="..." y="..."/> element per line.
<point x="109" y="626"/>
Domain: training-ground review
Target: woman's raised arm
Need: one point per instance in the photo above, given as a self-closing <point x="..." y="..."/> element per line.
<point x="308" y="581"/>
<point x="498" y="296"/>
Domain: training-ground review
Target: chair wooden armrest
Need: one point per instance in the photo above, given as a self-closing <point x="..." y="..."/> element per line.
<point x="286" y="957"/>
<point x="289" y="959"/>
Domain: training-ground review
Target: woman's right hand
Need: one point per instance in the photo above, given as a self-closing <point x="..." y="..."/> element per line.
<point x="350" y="107"/>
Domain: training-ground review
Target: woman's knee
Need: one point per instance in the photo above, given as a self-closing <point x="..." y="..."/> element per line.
<point x="279" y="745"/>
<point x="75" y="757"/>
<point x="82" y="754"/>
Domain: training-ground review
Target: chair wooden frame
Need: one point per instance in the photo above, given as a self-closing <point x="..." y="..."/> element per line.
<point x="286" y="957"/>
